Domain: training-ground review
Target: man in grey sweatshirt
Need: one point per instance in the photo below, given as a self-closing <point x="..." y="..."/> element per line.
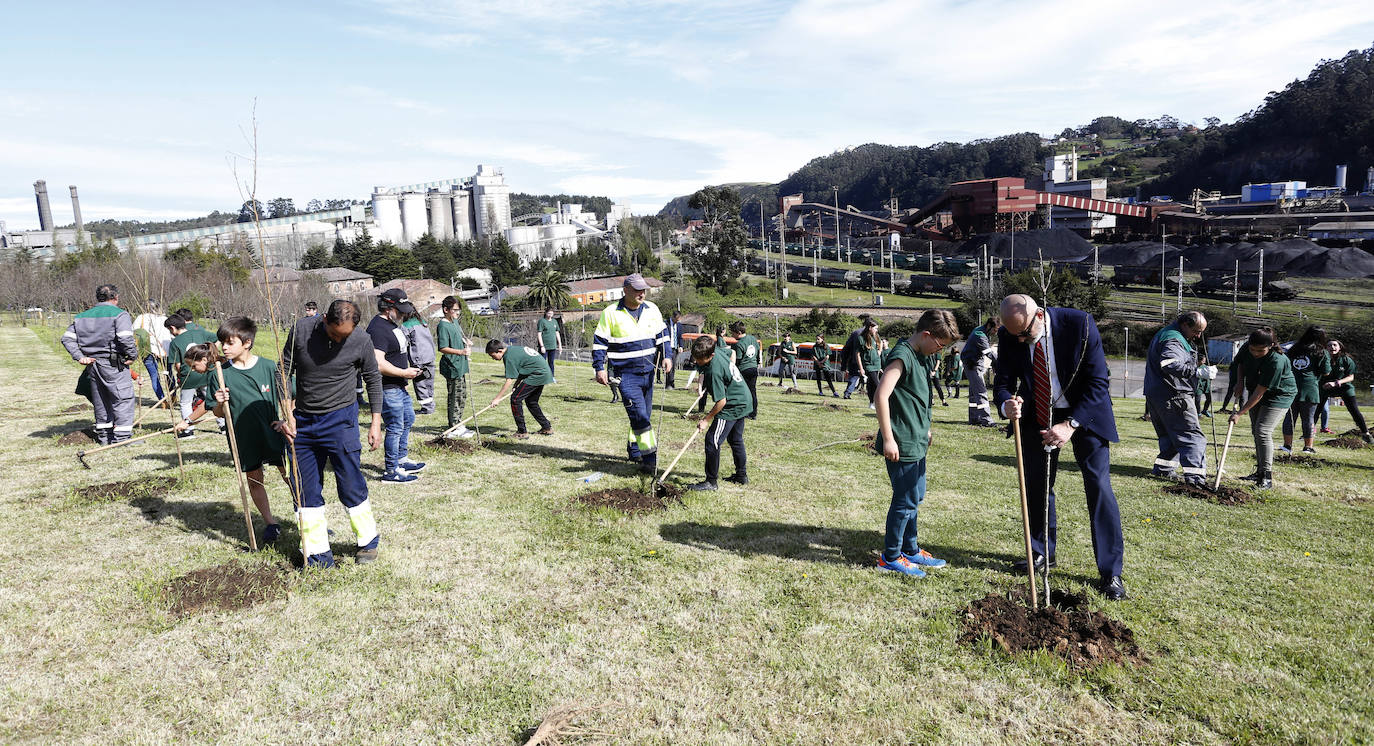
<point x="326" y="354"/>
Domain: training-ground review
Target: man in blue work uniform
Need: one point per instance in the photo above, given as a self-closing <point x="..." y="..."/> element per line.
<point x="1171" y="374"/>
<point x="630" y="334"/>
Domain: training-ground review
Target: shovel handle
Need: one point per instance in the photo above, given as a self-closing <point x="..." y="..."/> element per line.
<point x="1221" y="465"/>
<point x="695" y="432"/>
<point x="473" y="416"/>
<point x="1025" y="508"/>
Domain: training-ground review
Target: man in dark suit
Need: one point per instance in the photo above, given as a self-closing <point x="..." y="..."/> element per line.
<point x="1051" y="370"/>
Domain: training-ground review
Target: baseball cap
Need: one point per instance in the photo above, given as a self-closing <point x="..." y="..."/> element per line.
<point x="636" y="281"/>
<point x="397" y="297"/>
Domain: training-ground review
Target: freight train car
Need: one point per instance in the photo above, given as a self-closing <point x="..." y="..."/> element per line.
<point x="1220" y="282"/>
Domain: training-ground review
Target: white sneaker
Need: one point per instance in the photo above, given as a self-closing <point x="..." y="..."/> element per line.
<point x="873" y="406"/>
<point x="465" y="432"/>
<point x="1286" y="449"/>
<point x="553" y="380"/>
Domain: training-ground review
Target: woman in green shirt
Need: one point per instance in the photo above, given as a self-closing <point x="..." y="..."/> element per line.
<point x="871" y="358"/>
<point x="1340" y="383"/>
<point x="1269" y="377"/>
<point x="1310" y="366"/>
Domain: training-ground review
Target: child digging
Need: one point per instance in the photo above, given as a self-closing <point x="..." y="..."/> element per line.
<point x="903" y="404"/>
<point x="251" y="391"/>
<point x="528" y="372"/>
<point x="725" y="421"/>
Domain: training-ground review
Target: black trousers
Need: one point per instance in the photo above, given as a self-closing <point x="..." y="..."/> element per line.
<point x="719" y="432"/>
<point x="751" y="379"/>
<point x="824" y="375"/>
<point x="527" y="396"/>
<point x="873" y="377"/>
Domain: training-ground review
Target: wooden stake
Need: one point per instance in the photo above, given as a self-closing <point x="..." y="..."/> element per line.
<point x="238" y="471"/>
<point x="688" y="413"/>
<point x="695" y="431"/>
<point x="1025" y="510"/>
<point x="1221" y="466"/>
<point x="172" y="413"/>
<point x="465" y="421"/>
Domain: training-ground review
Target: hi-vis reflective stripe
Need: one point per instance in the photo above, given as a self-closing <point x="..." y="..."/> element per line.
<point x="364" y="525"/>
<point x="103" y="425"/>
<point x="125" y="332"/>
<point x="632" y="354"/>
<point x="645" y="441"/>
<point x="1166" y="462"/>
<point x="314" y="530"/>
<point x="1200" y="470"/>
<point x="124" y="428"/>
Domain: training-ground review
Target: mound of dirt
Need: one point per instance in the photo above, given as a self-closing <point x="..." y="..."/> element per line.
<point x="457" y="445"/>
<point x="791" y="390"/>
<point x="868" y="437"/>
<point x="1305" y="461"/>
<point x="1067" y="629"/>
<point x="1352" y="442"/>
<point x="78" y="438"/>
<point x="1226" y="495"/>
<point x="578" y="397"/>
<point x="627" y="500"/>
<point x="484" y="382"/>
<point x="832" y="407"/>
<point x="227" y="587"/>
<point x="73" y="409"/>
<point x="129" y="489"/>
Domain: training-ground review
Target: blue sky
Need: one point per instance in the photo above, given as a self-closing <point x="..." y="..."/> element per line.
<point x="147" y="107"/>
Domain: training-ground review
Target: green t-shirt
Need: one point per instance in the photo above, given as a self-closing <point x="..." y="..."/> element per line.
<point x="527" y="363"/>
<point x="954" y="367"/>
<point x="1275" y="372"/>
<point x="1340" y="368"/>
<point x="1308" y="371"/>
<point x="746" y="352"/>
<point x="253" y="396"/>
<point x="548" y="333"/>
<point x="450" y="335"/>
<point x="722" y="380"/>
<point x="194" y="335"/>
<point x="820" y="353"/>
<point x="909" y="405"/>
<point x="788" y="350"/>
<point x="871" y="357"/>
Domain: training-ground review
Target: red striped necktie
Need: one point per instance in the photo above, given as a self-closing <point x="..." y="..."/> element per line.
<point x="1042" y="385"/>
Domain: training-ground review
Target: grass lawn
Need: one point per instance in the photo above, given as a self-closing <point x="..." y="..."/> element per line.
<point x="749" y="615"/>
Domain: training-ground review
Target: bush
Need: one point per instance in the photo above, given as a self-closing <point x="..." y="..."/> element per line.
<point x="899" y="329"/>
<point x="199" y="303"/>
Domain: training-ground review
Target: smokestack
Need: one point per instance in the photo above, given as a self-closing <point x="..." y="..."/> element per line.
<point x="76" y="209"/>
<point x="40" y="192"/>
<point x="1340" y="178"/>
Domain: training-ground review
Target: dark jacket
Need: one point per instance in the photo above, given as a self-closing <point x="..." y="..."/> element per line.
<point x="1079" y="363"/>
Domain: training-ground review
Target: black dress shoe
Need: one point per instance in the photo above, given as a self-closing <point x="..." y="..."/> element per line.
<point x="1113" y="588"/>
<point x="1020" y="565"/>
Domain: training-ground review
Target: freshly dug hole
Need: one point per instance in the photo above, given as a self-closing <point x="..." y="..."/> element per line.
<point x="791" y="390"/>
<point x="1067" y="629"/>
<point x="78" y="438"/>
<point x="1303" y="460"/>
<point x="227" y="587"/>
<point x="1226" y="495"/>
<point x="457" y="445"/>
<point x="1352" y="442"/>
<point x="129" y="489"/>
<point x="831" y="407"/>
<point x="627" y="500"/>
<point x="73" y="409"/>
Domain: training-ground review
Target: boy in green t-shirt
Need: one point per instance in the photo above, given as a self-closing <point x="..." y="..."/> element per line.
<point x="527" y="371"/>
<point x="550" y="340"/>
<point x="747" y="359"/>
<point x="453" y="346"/>
<point x="724" y="421"/>
<point x="251" y="392"/>
<point x="903" y="401"/>
<point x="186" y="333"/>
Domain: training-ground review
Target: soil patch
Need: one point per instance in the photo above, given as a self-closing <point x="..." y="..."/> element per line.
<point x="77" y="438"/>
<point x="633" y="501"/>
<point x="457" y="445"/>
<point x="130" y="489"/>
<point x="73" y="409"/>
<point x="791" y="390"/>
<point x="579" y="397"/>
<point x="484" y="382"/>
<point x="832" y="407"/>
<point x="1352" y="442"/>
<point x="1226" y="495"/>
<point x="868" y="437"/>
<point x="1067" y="629"/>
<point x="226" y="587"/>
<point x="1303" y="460"/>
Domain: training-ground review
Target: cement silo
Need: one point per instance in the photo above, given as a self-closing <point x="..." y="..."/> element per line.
<point x="524" y="241"/>
<point x="76" y="209"/>
<point x="40" y="193"/>
<point x="440" y="214"/>
<point x="414" y="220"/>
<point x="561" y="239"/>
<point x="462" y="214"/>
<point x="386" y="215"/>
<point x="490" y="201"/>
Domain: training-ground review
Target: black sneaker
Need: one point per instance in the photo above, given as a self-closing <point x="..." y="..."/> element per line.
<point x="270" y="533"/>
<point x="737" y="479"/>
<point x="703" y="486"/>
<point x="186" y="434"/>
<point x="1308" y="449"/>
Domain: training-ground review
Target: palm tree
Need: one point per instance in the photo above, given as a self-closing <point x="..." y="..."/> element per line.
<point x="548" y="289"/>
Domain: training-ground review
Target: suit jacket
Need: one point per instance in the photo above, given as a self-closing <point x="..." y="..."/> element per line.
<point x="1079" y="363"/>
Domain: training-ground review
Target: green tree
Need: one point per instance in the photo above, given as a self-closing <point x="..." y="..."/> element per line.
<point x="251" y="210"/>
<point x="389" y="262"/>
<point x="505" y="264"/>
<point x="316" y="257"/>
<point x="715" y="255"/>
<point x="636" y="250"/>
<point x="1059" y="288"/>
<point x="361" y="253"/>
<point x="548" y="289"/>
<point x="281" y="207"/>
<point x="434" y="258"/>
<point x="342" y="255"/>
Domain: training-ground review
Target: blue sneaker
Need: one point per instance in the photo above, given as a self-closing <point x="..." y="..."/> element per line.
<point x="323" y="560"/>
<point x="399" y="477"/>
<point x="901" y="565"/>
<point x="412" y="467"/>
<point x="924" y="558"/>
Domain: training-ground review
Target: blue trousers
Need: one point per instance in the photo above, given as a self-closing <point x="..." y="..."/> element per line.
<point x="150" y="364"/>
<point x="397" y="416"/>
<point x="1093" y="454"/>
<point x="908" y="492"/>
<point x="637" y="392"/>
<point x="1181" y="441"/>
<point x="331" y="438"/>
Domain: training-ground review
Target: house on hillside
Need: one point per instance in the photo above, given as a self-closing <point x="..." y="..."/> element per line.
<point x="422" y="293"/>
<point x="340" y="281"/>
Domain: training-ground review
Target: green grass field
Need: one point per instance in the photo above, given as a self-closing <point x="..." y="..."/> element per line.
<point x="749" y="615"/>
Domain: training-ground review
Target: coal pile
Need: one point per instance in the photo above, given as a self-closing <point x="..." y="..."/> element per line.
<point x="1298" y="257"/>
<point x="1051" y="243"/>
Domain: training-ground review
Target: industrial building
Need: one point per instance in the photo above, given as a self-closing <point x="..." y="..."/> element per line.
<point x="48" y="240"/>
<point x="1061" y="177"/>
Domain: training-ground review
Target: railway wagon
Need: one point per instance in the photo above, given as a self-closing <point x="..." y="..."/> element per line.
<point x="1220" y="282"/>
<point x="949" y="287"/>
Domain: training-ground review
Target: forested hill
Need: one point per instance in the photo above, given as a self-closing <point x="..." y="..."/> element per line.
<point x="1302" y="132"/>
<point x="869" y="175"/>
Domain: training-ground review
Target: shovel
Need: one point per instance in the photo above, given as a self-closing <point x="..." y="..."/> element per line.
<point x="1221" y="465"/>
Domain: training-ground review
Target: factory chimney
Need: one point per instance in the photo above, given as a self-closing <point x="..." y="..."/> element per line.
<point x="40" y="192"/>
<point x="76" y="209"/>
<point x="1340" y="178"/>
